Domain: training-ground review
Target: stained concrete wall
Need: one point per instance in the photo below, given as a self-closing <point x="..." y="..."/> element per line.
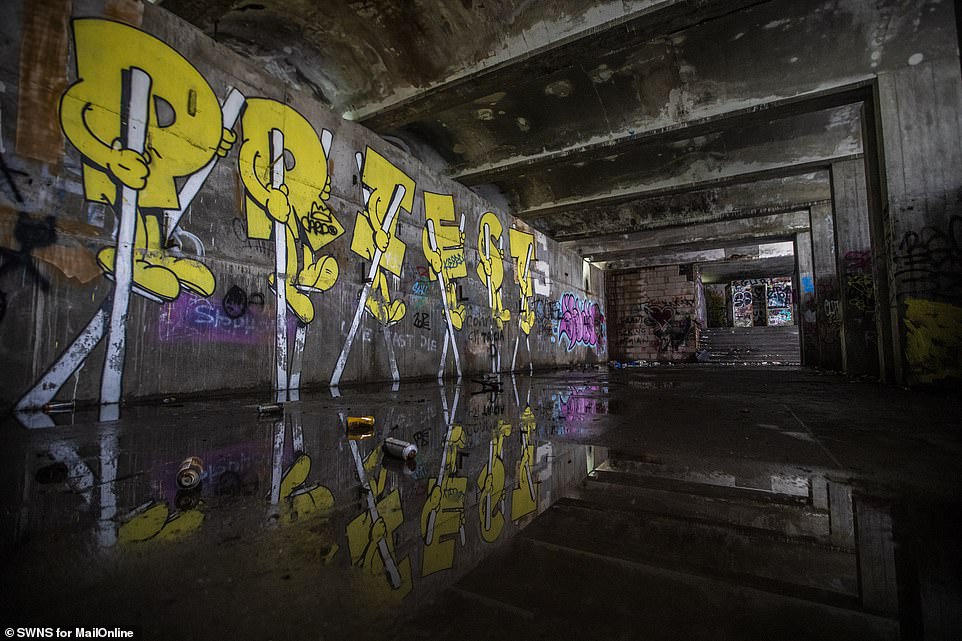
<point x="201" y="313"/>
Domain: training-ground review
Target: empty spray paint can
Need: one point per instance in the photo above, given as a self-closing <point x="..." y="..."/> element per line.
<point x="400" y="449"/>
<point x="188" y="476"/>
<point x="269" y="408"/>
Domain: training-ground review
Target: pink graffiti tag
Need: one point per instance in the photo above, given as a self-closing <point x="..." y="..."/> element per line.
<point x="582" y="321"/>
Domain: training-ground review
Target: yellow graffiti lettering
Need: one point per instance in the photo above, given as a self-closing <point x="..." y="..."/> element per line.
<point x="491" y="265"/>
<point x="299" y="202"/>
<point x="445" y="253"/>
<point x="522" y="251"/>
<point x="184" y="128"/>
<point x="184" y="132"/>
<point x="374" y="232"/>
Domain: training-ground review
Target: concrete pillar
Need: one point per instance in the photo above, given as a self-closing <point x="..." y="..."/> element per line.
<point x="853" y="246"/>
<point x="888" y="343"/>
<point x="919" y="111"/>
<point x="825" y="266"/>
<point x="805" y="306"/>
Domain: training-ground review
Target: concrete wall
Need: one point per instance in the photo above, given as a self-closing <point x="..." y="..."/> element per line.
<point x="653" y="314"/>
<point x="186" y="302"/>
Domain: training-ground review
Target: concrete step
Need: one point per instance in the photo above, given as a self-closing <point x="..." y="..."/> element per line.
<point x="751" y="344"/>
<point x="753" y="475"/>
<point x="595" y="589"/>
<point x="743" y="555"/>
<point x="763" y="511"/>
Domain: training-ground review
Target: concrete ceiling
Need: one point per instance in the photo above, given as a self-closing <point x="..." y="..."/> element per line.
<point x="604" y="123"/>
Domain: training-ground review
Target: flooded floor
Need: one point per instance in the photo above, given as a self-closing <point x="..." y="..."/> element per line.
<point x="655" y="503"/>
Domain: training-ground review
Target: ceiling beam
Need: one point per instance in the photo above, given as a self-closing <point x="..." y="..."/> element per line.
<point x="616" y="35"/>
<point x="581" y="204"/>
<point x="690" y="238"/>
<point x="835" y="97"/>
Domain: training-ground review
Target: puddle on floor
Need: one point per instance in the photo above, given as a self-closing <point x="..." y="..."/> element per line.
<point x="506" y="523"/>
<point x="294" y="515"/>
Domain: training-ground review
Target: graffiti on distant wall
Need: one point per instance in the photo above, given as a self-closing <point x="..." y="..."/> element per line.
<point x="670" y="331"/>
<point x="582" y="323"/>
<point x="742" y="302"/>
<point x="860" y="289"/>
<point x="762" y="301"/>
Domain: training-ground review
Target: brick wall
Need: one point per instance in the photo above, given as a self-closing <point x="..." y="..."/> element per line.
<point x="652" y="314"/>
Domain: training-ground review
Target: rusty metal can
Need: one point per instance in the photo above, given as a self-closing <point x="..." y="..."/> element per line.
<point x="190" y="472"/>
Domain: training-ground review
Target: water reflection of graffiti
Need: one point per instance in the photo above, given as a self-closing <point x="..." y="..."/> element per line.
<point x="524" y="497"/>
<point x="580" y="403"/>
<point x="582" y="322"/>
<point x="931" y="259"/>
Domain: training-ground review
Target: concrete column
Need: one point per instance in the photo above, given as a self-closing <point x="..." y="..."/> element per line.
<point x="805" y="306"/>
<point x="825" y="265"/>
<point x="920" y="119"/>
<point x="856" y="282"/>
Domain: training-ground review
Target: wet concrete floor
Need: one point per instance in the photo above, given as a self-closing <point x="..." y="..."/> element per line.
<point x="656" y="503"/>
